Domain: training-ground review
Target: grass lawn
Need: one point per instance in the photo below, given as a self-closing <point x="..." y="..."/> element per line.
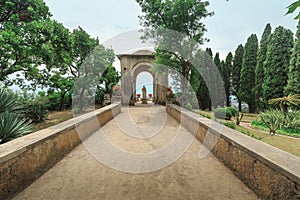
<point x="288" y="144"/>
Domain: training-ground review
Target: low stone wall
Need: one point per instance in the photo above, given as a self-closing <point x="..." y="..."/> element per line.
<point x="270" y="172"/>
<point x="25" y="159"/>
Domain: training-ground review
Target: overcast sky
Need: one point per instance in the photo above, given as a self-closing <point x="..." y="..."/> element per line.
<point x="231" y="25"/>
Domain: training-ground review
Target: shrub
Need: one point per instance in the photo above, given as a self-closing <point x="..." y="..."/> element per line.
<point x="233" y="111"/>
<point x="223" y="113"/>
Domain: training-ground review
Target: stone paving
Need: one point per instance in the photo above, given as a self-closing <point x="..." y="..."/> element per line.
<point x="95" y="171"/>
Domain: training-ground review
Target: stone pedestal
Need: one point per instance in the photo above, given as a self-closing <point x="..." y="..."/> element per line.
<point x="144" y="101"/>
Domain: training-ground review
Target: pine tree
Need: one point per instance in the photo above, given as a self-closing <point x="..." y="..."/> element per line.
<point x="293" y="85"/>
<point x="259" y="71"/>
<point x="277" y="63"/>
<point x="236" y="72"/>
<point x="248" y="72"/>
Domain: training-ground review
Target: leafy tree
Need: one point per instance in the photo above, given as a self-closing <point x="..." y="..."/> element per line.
<point x="88" y="75"/>
<point x="63" y="85"/>
<point x="259" y="71"/>
<point x="277" y="62"/>
<point x="248" y="72"/>
<point x="293" y="84"/>
<point x="236" y="73"/>
<point x="22" y="30"/>
<point x="109" y="78"/>
<point x="183" y="16"/>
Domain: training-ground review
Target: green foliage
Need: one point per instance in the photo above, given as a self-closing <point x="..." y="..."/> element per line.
<point x="12" y="123"/>
<point x="273" y="119"/>
<point x="34" y="106"/>
<point x="199" y="85"/>
<point x="8" y="102"/>
<point x="12" y="126"/>
<point x="109" y="78"/>
<point x="236" y="72"/>
<point x="293" y="86"/>
<point x="223" y="113"/>
<point x="277" y="62"/>
<point x="247" y="82"/>
<point x="185" y="17"/>
<point x="289" y="126"/>
<point x="259" y="71"/>
<point x="293" y="7"/>
<point x="252" y="135"/>
<point x="233" y="111"/>
<point x="91" y="60"/>
<point x="286" y="102"/>
<point x="226" y="71"/>
<point x="230" y="125"/>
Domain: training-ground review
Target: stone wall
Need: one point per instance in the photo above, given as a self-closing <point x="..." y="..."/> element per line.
<point x="270" y="172"/>
<point x="25" y="159"/>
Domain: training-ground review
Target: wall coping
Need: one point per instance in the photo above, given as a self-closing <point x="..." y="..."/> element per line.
<point x="18" y="146"/>
<point x="284" y="162"/>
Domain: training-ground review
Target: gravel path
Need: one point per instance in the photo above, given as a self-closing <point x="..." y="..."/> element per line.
<point x="81" y="176"/>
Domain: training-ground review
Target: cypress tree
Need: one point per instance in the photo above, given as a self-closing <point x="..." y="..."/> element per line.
<point x="199" y="86"/>
<point x="277" y="63"/>
<point x="293" y="84"/>
<point x="218" y="64"/>
<point x="248" y="72"/>
<point x="236" y="72"/>
<point x="259" y="71"/>
<point x="227" y="76"/>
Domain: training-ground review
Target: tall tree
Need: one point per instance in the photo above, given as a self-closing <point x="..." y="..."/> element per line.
<point x="277" y="63"/>
<point x="227" y="69"/>
<point x="236" y="73"/>
<point x="185" y="17"/>
<point x="293" y="84"/>
<point x="259" y="71"/>
<point x="248" y="72"/>
<point x="23" y="26"/>
<point x="199" y="85"/>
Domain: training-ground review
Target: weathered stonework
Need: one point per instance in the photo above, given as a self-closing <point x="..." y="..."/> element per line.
<point x="270" y="172"/>
<point x="25" y="159"/>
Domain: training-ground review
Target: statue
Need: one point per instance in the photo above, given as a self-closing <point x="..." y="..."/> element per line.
<point x="144" y="90"/>
<point x="144" y="99"/>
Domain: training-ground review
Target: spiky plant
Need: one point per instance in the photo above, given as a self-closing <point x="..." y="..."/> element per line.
<point x="273" y="119"/>
<point x="286" y="102"/>
<point x="12" y="126"/>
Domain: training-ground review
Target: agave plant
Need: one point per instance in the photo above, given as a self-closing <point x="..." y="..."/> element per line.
<point x="12" y="126"/>
<point x="8" y="102"/>
<point x="286" y="102"/>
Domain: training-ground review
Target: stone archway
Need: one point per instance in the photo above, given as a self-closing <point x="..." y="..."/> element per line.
<point x="132" y="65"/>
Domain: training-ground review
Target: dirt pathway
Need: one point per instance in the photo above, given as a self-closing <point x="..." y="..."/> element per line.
<point x="81" y="176"/>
